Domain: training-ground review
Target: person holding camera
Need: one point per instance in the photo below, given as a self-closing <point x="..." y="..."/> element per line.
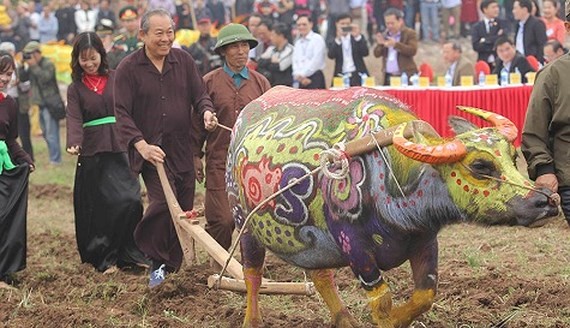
<point x="44" y="87"/>
<point x="398" y="47"/>
<point x="348" y="50"/>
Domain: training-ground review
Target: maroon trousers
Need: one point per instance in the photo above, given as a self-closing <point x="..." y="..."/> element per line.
<point x="220" y="223"/>
<point x="155" y="235"/>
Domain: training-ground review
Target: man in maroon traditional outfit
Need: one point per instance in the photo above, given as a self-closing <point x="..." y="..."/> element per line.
<point x="156" y="90"/>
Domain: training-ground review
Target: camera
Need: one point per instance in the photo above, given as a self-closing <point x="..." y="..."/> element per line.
<point x="346" y="29"/>
<point x="27" y="56"/>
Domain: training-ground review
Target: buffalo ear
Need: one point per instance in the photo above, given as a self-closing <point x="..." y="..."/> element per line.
<point x="418" y="136"/>
<point x="460" y="125"/>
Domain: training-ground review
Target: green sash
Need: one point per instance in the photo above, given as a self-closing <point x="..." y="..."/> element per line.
<point x="101" y="121"/>
<point x="5" y="161"/>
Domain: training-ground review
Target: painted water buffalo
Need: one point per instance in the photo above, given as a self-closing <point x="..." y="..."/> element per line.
<point x="387" y="209"/>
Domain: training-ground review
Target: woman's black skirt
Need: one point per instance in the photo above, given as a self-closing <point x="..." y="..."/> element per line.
<point x="108" y="207"/>
<point x="13" y="212"/>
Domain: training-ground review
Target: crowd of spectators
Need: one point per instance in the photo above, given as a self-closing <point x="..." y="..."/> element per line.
<point x="389" y="29"/>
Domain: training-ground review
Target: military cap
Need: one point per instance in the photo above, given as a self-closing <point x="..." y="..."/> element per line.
<point x="31" y="46"/>
<point x="233" y="33"/>
<point x="128" y="13"/>
<point x="105" y="27"/>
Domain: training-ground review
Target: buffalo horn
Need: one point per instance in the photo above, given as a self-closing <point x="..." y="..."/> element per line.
<point x="503" y="124"/>
<point x="448" y="152"/>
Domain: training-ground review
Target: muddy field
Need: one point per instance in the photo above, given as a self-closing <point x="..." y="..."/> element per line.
<point x="487" y="274"/>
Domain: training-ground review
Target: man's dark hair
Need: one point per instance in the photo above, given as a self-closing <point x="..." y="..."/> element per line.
<point x="266" y="22"/>
<point x="394" y="12"/>
<point x="306" y="16"/>
<point x="455" y="46"/>
<point x="525" y="4"/>
<point x="281" y="29"/>
<point x="486" y="3"/>
<point x="556" y="45"/>
<point x="342" y="16"/>
<point x="257" y="15"/>
<point x="502" y="40"/>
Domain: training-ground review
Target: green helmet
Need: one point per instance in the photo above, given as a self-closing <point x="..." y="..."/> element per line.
<point x="233" y="33"/>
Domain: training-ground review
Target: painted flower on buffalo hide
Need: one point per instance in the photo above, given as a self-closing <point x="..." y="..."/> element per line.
<point x="344" y="197"/>
<point x="260" y="181"/>
<point x="366" y="117"/>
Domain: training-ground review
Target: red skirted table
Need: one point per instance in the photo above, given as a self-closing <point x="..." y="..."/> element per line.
<point x="435" y="105"/>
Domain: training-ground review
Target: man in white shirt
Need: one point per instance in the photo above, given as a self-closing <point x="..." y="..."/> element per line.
<point x="308" y="56"/>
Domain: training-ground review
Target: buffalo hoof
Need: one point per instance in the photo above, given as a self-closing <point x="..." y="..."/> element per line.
<point x="345" y="320"/>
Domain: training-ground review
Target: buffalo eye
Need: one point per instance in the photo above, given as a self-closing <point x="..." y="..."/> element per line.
<point x="481" y="168"/>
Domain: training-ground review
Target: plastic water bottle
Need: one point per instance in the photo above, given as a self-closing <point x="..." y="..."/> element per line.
<point x="481" y="78"/>
<point x="363" y="77"/>
<point x="504" y="77"/>
<point x="346" y="80"/>
<point x="517" y="71"/>
<point x="404" y="79"/>
<point x="415" y="79"/>
<point x="448" y="80"/>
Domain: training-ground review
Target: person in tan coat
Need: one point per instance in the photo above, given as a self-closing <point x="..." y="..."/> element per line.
<point x="397" y="46"/>
<point x="458" y="65"/>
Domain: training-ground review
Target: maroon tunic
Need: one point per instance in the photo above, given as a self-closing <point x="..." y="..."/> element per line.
<point x="9" y="131"/>
<point x="157" y="107"/>
<point x="84" y="105"/>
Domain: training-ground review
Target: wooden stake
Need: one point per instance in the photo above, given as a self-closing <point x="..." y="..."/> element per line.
<point x="267" y="287"/>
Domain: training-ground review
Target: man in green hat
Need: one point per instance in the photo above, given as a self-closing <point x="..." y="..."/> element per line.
<point x="231" y="87"/>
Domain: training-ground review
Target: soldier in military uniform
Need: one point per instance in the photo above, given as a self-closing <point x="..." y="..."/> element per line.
<point x="203" y="50"/>
<point x="115" y="54"/>
<point x="129" y="40"/>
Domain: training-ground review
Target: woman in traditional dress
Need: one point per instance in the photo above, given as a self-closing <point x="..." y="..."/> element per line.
<point x="106" y="194"/>
<point x="15" y="166"/>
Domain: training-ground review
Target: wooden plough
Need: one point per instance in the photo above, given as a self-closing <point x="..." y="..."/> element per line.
<point x="190" y="232"/>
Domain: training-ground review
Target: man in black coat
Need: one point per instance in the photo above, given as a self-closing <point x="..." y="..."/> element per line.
<point x="348" y="49"/>
<point x="485" y="33"/>
<point x="510" y="59"/>
<point x="530" y="32"/>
